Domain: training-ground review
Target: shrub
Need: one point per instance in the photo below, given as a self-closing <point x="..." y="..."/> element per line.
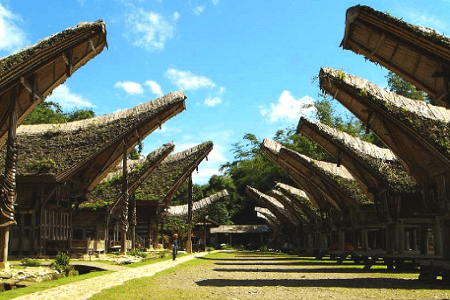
<point x="209" y="249"/>
<point x="30" y="262"/>
<point x="62" y="263"/>
<point x="137" y="253"/>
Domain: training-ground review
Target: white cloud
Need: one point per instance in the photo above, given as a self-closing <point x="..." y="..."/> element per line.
<point x="150" y="30"/>
<point x="288" y="108"/>
<point x="81" y="2"/>
<point x="423" y="18"/>
<point x="212" y="101"/>
<point x="12" y="37"/>
<point x="199" y="10"/>
<point x="176" y="16"/>
<point x="167" y="131"/>
<point x="185" y="80"/>
<point x="215" y="2"/>
<point x="67" y="99"/>
<point x="132" y="88"/>
<point x="156" y="88"/>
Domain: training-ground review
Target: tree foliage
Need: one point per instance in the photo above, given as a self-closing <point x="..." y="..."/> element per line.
<point x="48" y="112"/>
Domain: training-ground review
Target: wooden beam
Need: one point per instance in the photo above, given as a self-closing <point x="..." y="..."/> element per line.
<point x="31" y="88"/>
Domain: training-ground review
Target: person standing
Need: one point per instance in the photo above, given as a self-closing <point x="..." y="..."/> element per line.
<point x="175" y="246"/>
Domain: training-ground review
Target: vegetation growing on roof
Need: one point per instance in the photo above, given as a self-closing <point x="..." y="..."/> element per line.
<point x="170" y="171"/>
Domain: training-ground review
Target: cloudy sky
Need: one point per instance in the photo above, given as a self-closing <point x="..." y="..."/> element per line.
<point x="245" y="66"/>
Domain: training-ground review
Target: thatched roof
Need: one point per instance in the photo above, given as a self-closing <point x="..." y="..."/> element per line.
<point x="109" y="191"/>
<point x="165" y="181"/>
<point x="417" y="132"/>
<point x="418" y="54"/>
<point x="299" y="199"/>
<point x="273" y="205"/>
<point x="290" y="206"/>
<point x="85" y="151"/>
<point x="371" y="165"/>
<point x="182" y="210"/>
<point x="240" y="229"/>
<point x="40" y="68"/>
<point x="329" y="176"/>
<point x="267" y="213"/>
<point x="272" y="149"/>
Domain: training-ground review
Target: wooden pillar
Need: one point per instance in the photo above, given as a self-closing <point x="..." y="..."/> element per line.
<point x="437" y="232"/>
<point x="407" y="240"/>
<point x="423" y="242"/>
<point x="400" y="237"/>
<point x="415" y="240"/>
<point x="389" y="239"/>
<point x="364" y="240"/>
<point x="124" y="215"/>
<point x="341" y="240"/>
<point x="204" y="234"/>
<point x="8" y="187"/>
<point x="133" y="222"/>
<point x="189" y="231"/>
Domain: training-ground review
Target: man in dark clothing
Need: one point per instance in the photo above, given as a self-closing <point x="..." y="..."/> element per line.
<point x="175" y="246"/>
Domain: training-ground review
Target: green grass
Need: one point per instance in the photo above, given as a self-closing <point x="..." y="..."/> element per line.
<point x="48" y="284"/>
<point x="151" y="261"/>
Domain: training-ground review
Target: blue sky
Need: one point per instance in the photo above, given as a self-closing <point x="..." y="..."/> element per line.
<point x="245" y="66"/>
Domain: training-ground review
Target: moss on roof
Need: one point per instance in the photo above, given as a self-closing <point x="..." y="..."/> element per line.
<point x="429" y="122"/>
<point x="300" y="196"/>
<point x="382" y="161"/>
<point x="341" y="177"/>
<point x="170" y="172"/>
<point x="110" y="189"/>
<point x="418" y="31"/>
<point x="10" y="64"/>
<point x="51" y="149"/>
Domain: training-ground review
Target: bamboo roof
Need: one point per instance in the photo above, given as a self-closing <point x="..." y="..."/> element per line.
<point x="271" y="221"/>
<point x="273" y="205"/>
<point x="290" y="206"/>
<point x="168" y="177"/>
<point x="109" y="191"/>
<point x="417" y="132"/>
<point x="299" y="199"/>
<point x="336" y="184"/>
<point x="31" y="74"/>
<point x="182" y="210"/>
<point x="372" y="166"/>
<point x="83" y="152"/>
<point x="240" y="229"/>
<point x="420" y="55"/>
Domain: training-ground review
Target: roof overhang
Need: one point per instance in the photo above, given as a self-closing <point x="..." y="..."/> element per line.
<point x="31" y="74"/>
<point x="419" y="55"/>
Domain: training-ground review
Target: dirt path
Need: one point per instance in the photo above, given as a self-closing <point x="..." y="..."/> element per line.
<point x="233" y="276"/>
<point x="87" y="288"/>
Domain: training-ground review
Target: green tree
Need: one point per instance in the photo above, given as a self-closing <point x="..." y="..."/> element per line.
<point x="402" y="87"/>
<point x="48" y="112"/>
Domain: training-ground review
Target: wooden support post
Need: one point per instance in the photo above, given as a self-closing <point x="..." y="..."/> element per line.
<point x="364" y="240"/>
<point x="189" y="233"/>
<point x="341" y="240"/>
<point x="407" y="240"/>
<point x="437" y="233"/>
<point x="400" y="238"/>
<point x="389" y="239"/>
<point x="124" y="215"/>
<point x="133" y="222"/>
<point x="204" y="234"/>
<point x="423" y="242"/>
<point x="8" y="187"/>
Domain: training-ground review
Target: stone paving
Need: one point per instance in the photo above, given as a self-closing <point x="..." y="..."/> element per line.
<point x="85" y="289"/>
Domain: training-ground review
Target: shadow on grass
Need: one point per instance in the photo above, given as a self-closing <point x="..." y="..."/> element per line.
<point x="281" y="263"/>
<point x="316" y="270"/>
<point x="357" y="283"/>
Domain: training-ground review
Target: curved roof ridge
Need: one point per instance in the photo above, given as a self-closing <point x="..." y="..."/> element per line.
<point x="181" y="155"/>
<point x="351" y="141"/>
<point x="180" y="210"/>
<point x="152" y="105"/>
<point x="381" y="96"/>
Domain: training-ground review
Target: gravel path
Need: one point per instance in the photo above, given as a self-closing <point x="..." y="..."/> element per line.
<point x="85" y="289"/>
